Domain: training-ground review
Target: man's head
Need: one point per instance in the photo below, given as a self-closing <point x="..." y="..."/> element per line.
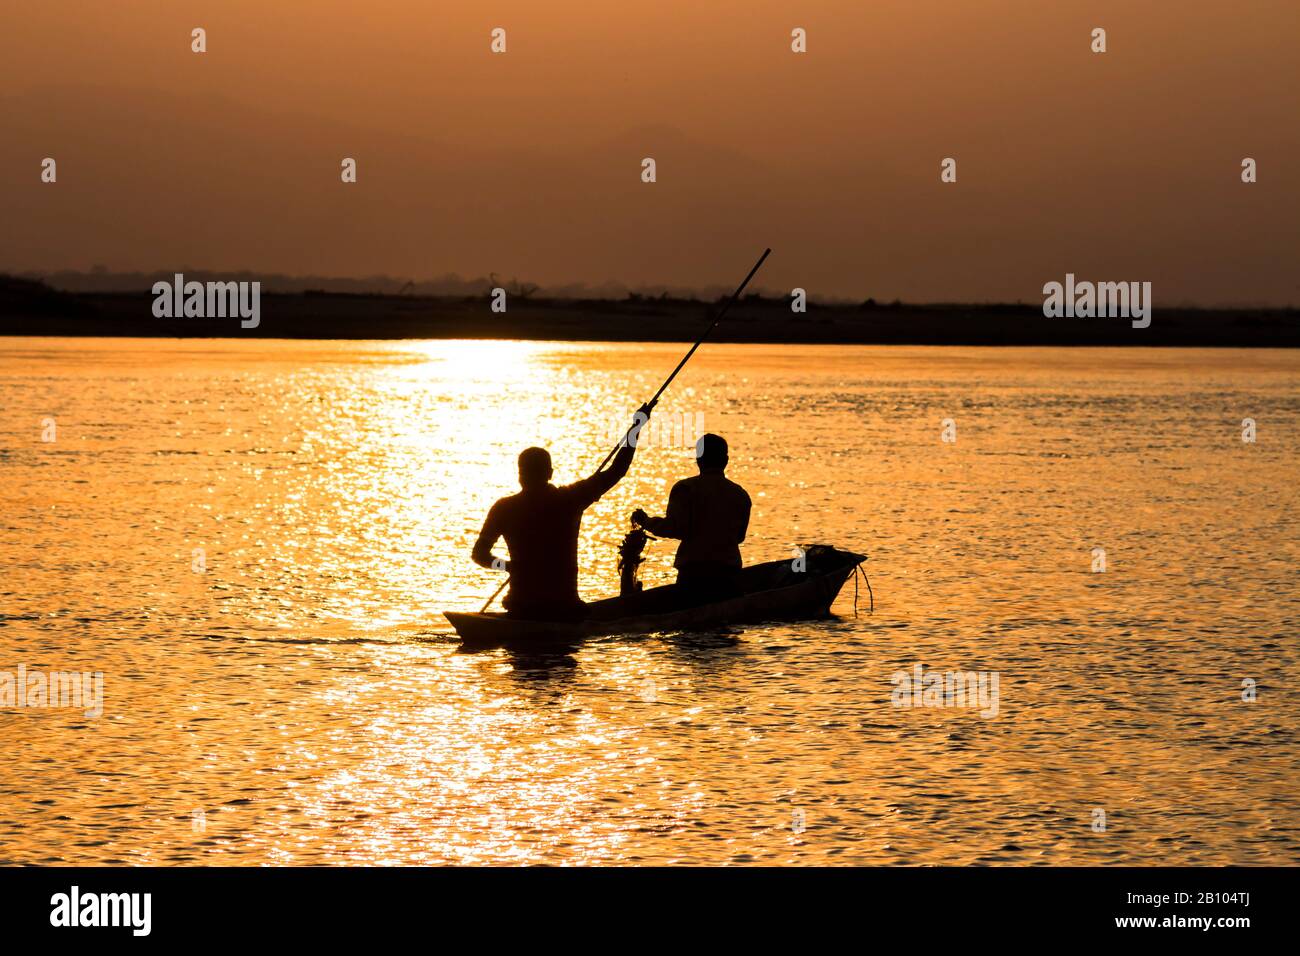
<point x="711" y="452"/>
<point x="534" y="468"/>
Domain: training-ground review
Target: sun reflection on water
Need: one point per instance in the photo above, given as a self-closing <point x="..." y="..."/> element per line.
<point x="303" y="690"/>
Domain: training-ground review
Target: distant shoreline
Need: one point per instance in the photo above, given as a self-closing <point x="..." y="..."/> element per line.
<point x="32" y="309"/>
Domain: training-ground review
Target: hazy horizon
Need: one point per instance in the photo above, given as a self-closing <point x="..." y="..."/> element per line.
<point x="527" y="164"/>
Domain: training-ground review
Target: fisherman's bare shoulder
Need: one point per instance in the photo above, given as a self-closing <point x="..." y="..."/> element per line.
<point x="506" y="506"/>
<point x="737" y="489"/>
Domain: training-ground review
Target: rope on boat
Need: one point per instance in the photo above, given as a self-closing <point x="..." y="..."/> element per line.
<point x="857" y="569"/>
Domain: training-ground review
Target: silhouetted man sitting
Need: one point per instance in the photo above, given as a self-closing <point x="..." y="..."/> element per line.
<point x="540" y="525"/>
<point x="710" y="514"/>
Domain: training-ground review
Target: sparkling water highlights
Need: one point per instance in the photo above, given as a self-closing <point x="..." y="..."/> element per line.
<point x="252" y="542"/>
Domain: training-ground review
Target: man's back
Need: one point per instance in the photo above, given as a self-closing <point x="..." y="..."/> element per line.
<point x="541" y="527"/>
<point x="710" y="514"/>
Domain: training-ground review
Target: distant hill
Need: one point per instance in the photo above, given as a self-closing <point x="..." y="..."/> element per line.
<point x="29" y="307"/>
<point x="102" y="280"/>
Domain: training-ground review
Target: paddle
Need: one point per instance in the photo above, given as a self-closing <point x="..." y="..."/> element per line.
<point x="668" y="381"/>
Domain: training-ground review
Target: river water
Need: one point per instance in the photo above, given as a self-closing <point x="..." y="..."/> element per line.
<point x="252" y="542"/>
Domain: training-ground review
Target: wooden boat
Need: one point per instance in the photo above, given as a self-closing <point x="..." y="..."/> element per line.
<point x="776" y="590"/>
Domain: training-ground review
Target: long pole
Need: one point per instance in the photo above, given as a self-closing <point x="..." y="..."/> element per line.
<point x="668" y="381"/>
<point x="687" y="357"/>
<point x="488" y="603"/>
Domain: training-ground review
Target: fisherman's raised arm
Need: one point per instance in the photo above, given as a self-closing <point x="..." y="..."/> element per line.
<point x="602" y="481"/>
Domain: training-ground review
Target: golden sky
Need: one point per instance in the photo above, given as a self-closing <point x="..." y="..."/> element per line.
<point x="1118" y="166"/>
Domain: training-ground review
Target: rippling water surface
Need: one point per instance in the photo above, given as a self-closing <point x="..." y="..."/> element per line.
<point x="302" y="700"/>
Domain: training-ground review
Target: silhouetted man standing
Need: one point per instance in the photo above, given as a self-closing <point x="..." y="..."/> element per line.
<point x="540" y="525"/>
<point x="710" y="514"/>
